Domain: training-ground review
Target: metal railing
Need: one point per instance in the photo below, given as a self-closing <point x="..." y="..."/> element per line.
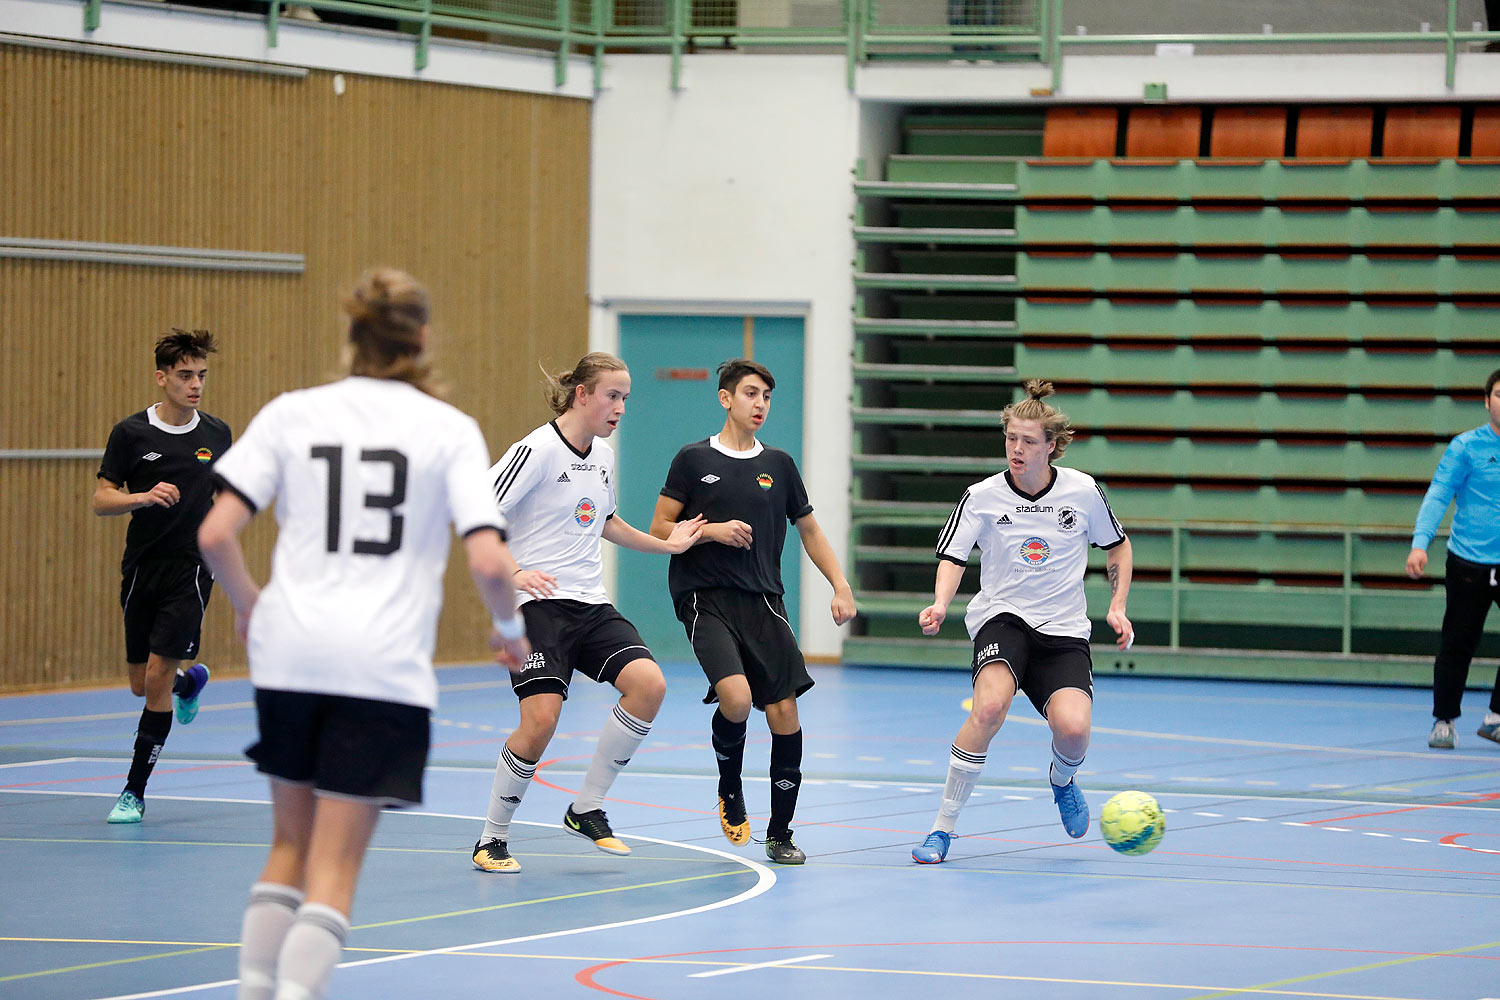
<point x="864" y="30"/>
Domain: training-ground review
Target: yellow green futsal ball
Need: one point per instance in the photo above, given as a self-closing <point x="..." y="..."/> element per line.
<point x="1132" y="823"/>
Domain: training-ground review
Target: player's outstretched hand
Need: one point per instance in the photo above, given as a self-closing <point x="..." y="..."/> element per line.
<point x="535" y="582"/>
<point x="735" y="534"/>
<point x="685" y="534"/>
<point x="1124" y="631"/>
<point x="162" y="495"/>
<point x="1416" y="562"/>
<point x="511" y="653"/>
<point x="931" y="619"/>
<point x="843" y="605"/>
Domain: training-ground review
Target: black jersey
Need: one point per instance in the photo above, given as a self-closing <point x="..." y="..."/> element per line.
<point x="760" y="487"/>
<point x="144" y="451"/>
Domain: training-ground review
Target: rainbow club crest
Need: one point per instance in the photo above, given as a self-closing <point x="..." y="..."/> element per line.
<point x="204" y="455"/>
<point x="764" y="481"/>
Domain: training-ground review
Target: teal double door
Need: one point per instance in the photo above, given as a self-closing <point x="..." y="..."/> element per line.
<point x="674" y="400"/>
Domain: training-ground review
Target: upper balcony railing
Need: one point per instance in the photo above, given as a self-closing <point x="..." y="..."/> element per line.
<point x="864" y="30"/>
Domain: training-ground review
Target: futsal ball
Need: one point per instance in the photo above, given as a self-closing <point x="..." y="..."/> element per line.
<point x="1132" y="823"/>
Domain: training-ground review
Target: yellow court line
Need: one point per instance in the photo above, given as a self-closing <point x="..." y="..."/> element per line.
<point x="114" y="716"/>
<point x="386" y="923"/>
<point x="547" y="899"/>
<point x="264" y="846"/>
<point x="1352" y="969"/>
<point x="100" y="965"/>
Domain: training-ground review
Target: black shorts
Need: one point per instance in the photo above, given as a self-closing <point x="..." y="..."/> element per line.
<point x="357" y="747"/>
<point x="163" y="601"/>
<point x="593" y="639"/>
<point x="1041" y="664"/>
<point x="739" y="632"/>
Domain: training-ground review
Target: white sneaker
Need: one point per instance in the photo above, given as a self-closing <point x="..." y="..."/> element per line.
<point x="1441" y="737"/>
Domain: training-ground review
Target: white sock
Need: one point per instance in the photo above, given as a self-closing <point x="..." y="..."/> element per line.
<point x="1490" y="718"/>
<point x="512" y="777"/>
<point x="268" y="917"/>
<point x="963" y="774"/>
<point x="621" y="738"/>
<point x="310" y="952"/>
<point x="1063" y="769"/>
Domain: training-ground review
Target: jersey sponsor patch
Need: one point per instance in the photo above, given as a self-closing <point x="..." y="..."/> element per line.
<point x="1035" y="551"/>
<point x="764" y="481"/>
<point x="710" y="479"/>
<point x="203" y="455"/>
<point x="585" y="513"/>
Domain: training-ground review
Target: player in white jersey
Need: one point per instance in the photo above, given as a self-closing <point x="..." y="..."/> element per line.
<point x="556" y="489"/>
<point x="1033" y="525"/>
<point x="367" y="473"/>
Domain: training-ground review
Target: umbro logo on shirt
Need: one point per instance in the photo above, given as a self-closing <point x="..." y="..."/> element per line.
<point x="1003" y="519"/>
<point x="564" y="478"/>
<point x="710" y="479"/>
<point x="151" y="456"/>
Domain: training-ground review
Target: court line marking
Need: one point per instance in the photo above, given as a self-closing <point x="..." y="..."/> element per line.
<point x="586" y="977"/>
<point x="761" y="965"/>
<point x="1266" y="987"/>
<point x="765" y="878"/>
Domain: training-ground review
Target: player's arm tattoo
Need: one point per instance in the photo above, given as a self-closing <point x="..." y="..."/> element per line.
<point x="1113" y="572"/>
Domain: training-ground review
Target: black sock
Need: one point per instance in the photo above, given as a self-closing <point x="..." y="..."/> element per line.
<point x="729" y="751"/>
<point x="786" y="782"/>
<point x="149" y="737"/>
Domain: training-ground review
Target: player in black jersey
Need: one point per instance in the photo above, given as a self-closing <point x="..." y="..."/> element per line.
<point x="157" y="468"/>
<point x="727" y="591"/>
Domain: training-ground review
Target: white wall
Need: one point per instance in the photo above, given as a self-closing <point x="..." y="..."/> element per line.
<point x="731" y="194"/>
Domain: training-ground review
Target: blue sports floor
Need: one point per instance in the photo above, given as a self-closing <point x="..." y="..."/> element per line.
<point x="1315" y="848"/>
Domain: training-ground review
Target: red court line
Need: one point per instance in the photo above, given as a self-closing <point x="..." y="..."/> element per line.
<point x="1042" y="843"/>
<point x="1487" y="797"/>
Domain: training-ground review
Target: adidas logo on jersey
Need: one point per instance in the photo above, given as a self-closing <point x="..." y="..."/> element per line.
<point x="564" y="478"/>
<point x="710" y="479"/>
<point x="151" y="456"/>
<point x="1003" y="519"/>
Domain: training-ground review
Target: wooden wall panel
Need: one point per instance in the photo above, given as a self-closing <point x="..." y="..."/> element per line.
<point x="482" y="194"/>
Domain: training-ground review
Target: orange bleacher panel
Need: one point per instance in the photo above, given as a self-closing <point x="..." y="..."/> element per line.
<point x="1251" y="133"/>
<point x="1422" y="130"/>
<point x="1168" y="133"/>
<point x="1484" y="139"/>
<point x="1335" y="132"/>
<point x="1080" y="132"/>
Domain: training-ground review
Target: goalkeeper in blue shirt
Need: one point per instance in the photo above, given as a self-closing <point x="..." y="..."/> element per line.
<point x="1469" y="477"/>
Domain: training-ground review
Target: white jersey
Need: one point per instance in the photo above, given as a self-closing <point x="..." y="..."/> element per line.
<point x="555" y="500"/>
<point x="1033" y="550"/>
<point x="366" y="474"/>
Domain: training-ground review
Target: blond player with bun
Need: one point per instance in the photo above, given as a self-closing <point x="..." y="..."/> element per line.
<point x="1033" y="525"/>
<point x="367" y="473"/>
<point x="556" y="489"/>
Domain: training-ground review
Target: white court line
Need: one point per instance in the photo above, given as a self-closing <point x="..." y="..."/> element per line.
<point x="1249" y="794"/>
<point x="765" y="878"/>
<point x="758" y="965"/>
